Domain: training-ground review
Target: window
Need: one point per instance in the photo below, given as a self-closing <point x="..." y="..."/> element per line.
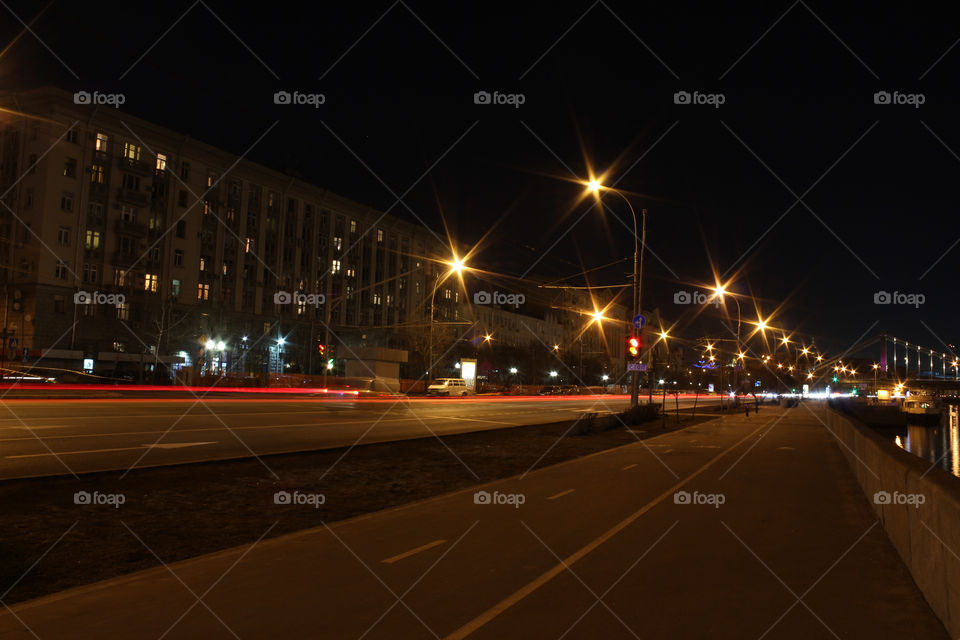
<point x="119" y="277"/>
<point x="101" y="143"/>
<point x="70" y="168"/>
<point x="379" y="236"/>
<point x="63" y="236"/>
<point x="181" y="229"/>
<point x="72" y="136"/>
<point x="203" y="263"/>
<point x="58" y="304"/>
<point x="151" y="282"/>
<point x="61" y="270"/>
<point x="128" y="213"/>
<point x="96" y="173"/>
<point x="336" y="266"/>
<point x="91" y="273"/>
<point x="337" y="243"/>
<point x="175" y="288"/>
<point x="203" y="291"/>
<point x="182" y="198"/>
<point x="211" y="179"/>
<point x="353" y="226"/>
<point x="184" y="170"/>
<point x="89" y="310"/>
<point x="161" y="162"/>
<point x="126" y="245"/>
<point x="156" y="221"/>
<point x="131" y="151"/>
<point x="93" y="240"/>
<point x="131" y="182"/>
<point x="117" y="344"/>
<point x="178" y="257"/>
<point x="154" y="255"/>
<point x="95" y="211"/>
<point x="248" y="245"/>
<point x="376" y="298"/>
<point x="66" y="201"/>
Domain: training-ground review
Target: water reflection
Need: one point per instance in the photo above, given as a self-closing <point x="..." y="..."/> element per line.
<point x="939" y="444"/>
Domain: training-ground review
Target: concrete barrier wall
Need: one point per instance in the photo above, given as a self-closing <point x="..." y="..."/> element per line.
<point x="926" y="536"/>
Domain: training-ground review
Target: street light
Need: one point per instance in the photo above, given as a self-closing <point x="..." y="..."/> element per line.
<point x="457" y="266"/>
<point x="638" y="242"/>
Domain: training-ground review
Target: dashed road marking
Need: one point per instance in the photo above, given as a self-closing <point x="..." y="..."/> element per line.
<point x="561" y="494"/>
<point x="407" y="554"/>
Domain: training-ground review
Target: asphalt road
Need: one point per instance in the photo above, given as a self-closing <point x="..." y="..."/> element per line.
<point x="57" y="436"/>
<point x="777" y="540"/>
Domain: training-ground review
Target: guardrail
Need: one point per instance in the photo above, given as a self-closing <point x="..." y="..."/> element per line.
<point x="919" y="507"/>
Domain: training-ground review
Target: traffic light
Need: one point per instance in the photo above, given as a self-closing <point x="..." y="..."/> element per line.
<point x="330" y="364"/>
<point x="321" y="348"/>
<point x="633" y="346"/>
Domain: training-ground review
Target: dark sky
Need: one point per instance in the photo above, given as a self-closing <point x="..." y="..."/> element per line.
<point x="798" y="112"/>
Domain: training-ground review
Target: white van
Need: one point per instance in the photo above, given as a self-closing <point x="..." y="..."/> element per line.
<point x="449" y="387"/>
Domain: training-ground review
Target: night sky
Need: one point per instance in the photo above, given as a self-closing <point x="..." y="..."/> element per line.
<point x="798" y="115"/>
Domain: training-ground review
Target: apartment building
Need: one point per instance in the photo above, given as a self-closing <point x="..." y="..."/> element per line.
<point x="122" y="241"/>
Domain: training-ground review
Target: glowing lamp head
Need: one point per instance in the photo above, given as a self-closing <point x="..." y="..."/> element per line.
<point x="594" y="186"/>
<point x="210" y="344"/>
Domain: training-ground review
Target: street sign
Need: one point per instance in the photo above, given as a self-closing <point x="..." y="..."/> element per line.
<point x="636" y="366"/>
<point x="639" y="321"/>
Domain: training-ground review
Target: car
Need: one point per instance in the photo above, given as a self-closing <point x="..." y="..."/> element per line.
<point x="552" y="390"/>
<point x="449" y="387"/>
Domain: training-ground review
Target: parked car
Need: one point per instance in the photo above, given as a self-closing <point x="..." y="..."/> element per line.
<point x="551" y="390"/>
<point x="449" y="387"/>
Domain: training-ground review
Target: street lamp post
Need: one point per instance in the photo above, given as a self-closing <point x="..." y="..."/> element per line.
<point x="456" y="266"/>
<point x="639" y="242"/>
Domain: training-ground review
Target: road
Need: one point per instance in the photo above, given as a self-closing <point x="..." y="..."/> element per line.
<point x="54" y="437"/>
<point x="777" y="541"/>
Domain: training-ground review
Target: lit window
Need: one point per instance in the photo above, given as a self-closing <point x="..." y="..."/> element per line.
<point x="150" y="282"/>
<point x="61" y="270"/>
<point x="123" y="313"/>
<point x="336" y="266"/>
<point x="96" y="173"/>
<point x="131" y="151"/>
<point x="248" y="245"/>
<point x="161" y="162"/>
<point x="337" y="243"/>
<point x="380" y="236"/>
<point x="175" y="288"/>
<point x="93" y="239"/>
<point x="101" y="144"/>
<point x="128" y="213"/>
<point x="203" y="291"/>
<point x="353" y="226"/>
<point x="203" y="263"/>
<point x="119" y="277"/>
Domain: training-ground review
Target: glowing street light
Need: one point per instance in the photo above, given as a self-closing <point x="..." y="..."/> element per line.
<point x="513" y="370"/>
<point x="210" y="345"/>
<point x="553" y="374"/>
<point x="639" y="243"/>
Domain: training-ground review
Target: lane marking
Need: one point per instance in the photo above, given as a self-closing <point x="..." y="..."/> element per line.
<point x="170" y="445"/>
<point x="561" y="494"/>
<point x="629" y="466"/>
<point x="578" y="555"/>
<point x="407" y="554"/>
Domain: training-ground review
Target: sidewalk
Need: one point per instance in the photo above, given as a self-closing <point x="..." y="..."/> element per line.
<point x="772" y="538"/>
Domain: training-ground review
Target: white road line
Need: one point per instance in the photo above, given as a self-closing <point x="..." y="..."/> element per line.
<point x="630" y="466"/>
<point x="564" y="565"/>
<point x="171" y="445"/>
<point x="407" y="554"/>
<point x="561" y="494"/>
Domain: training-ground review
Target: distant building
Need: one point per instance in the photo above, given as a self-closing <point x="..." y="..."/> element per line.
<point x="129" y="250"/>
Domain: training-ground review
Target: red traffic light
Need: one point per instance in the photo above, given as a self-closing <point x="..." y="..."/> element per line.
<point x="633" y="346"/>
<point x="321" y="348"/>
